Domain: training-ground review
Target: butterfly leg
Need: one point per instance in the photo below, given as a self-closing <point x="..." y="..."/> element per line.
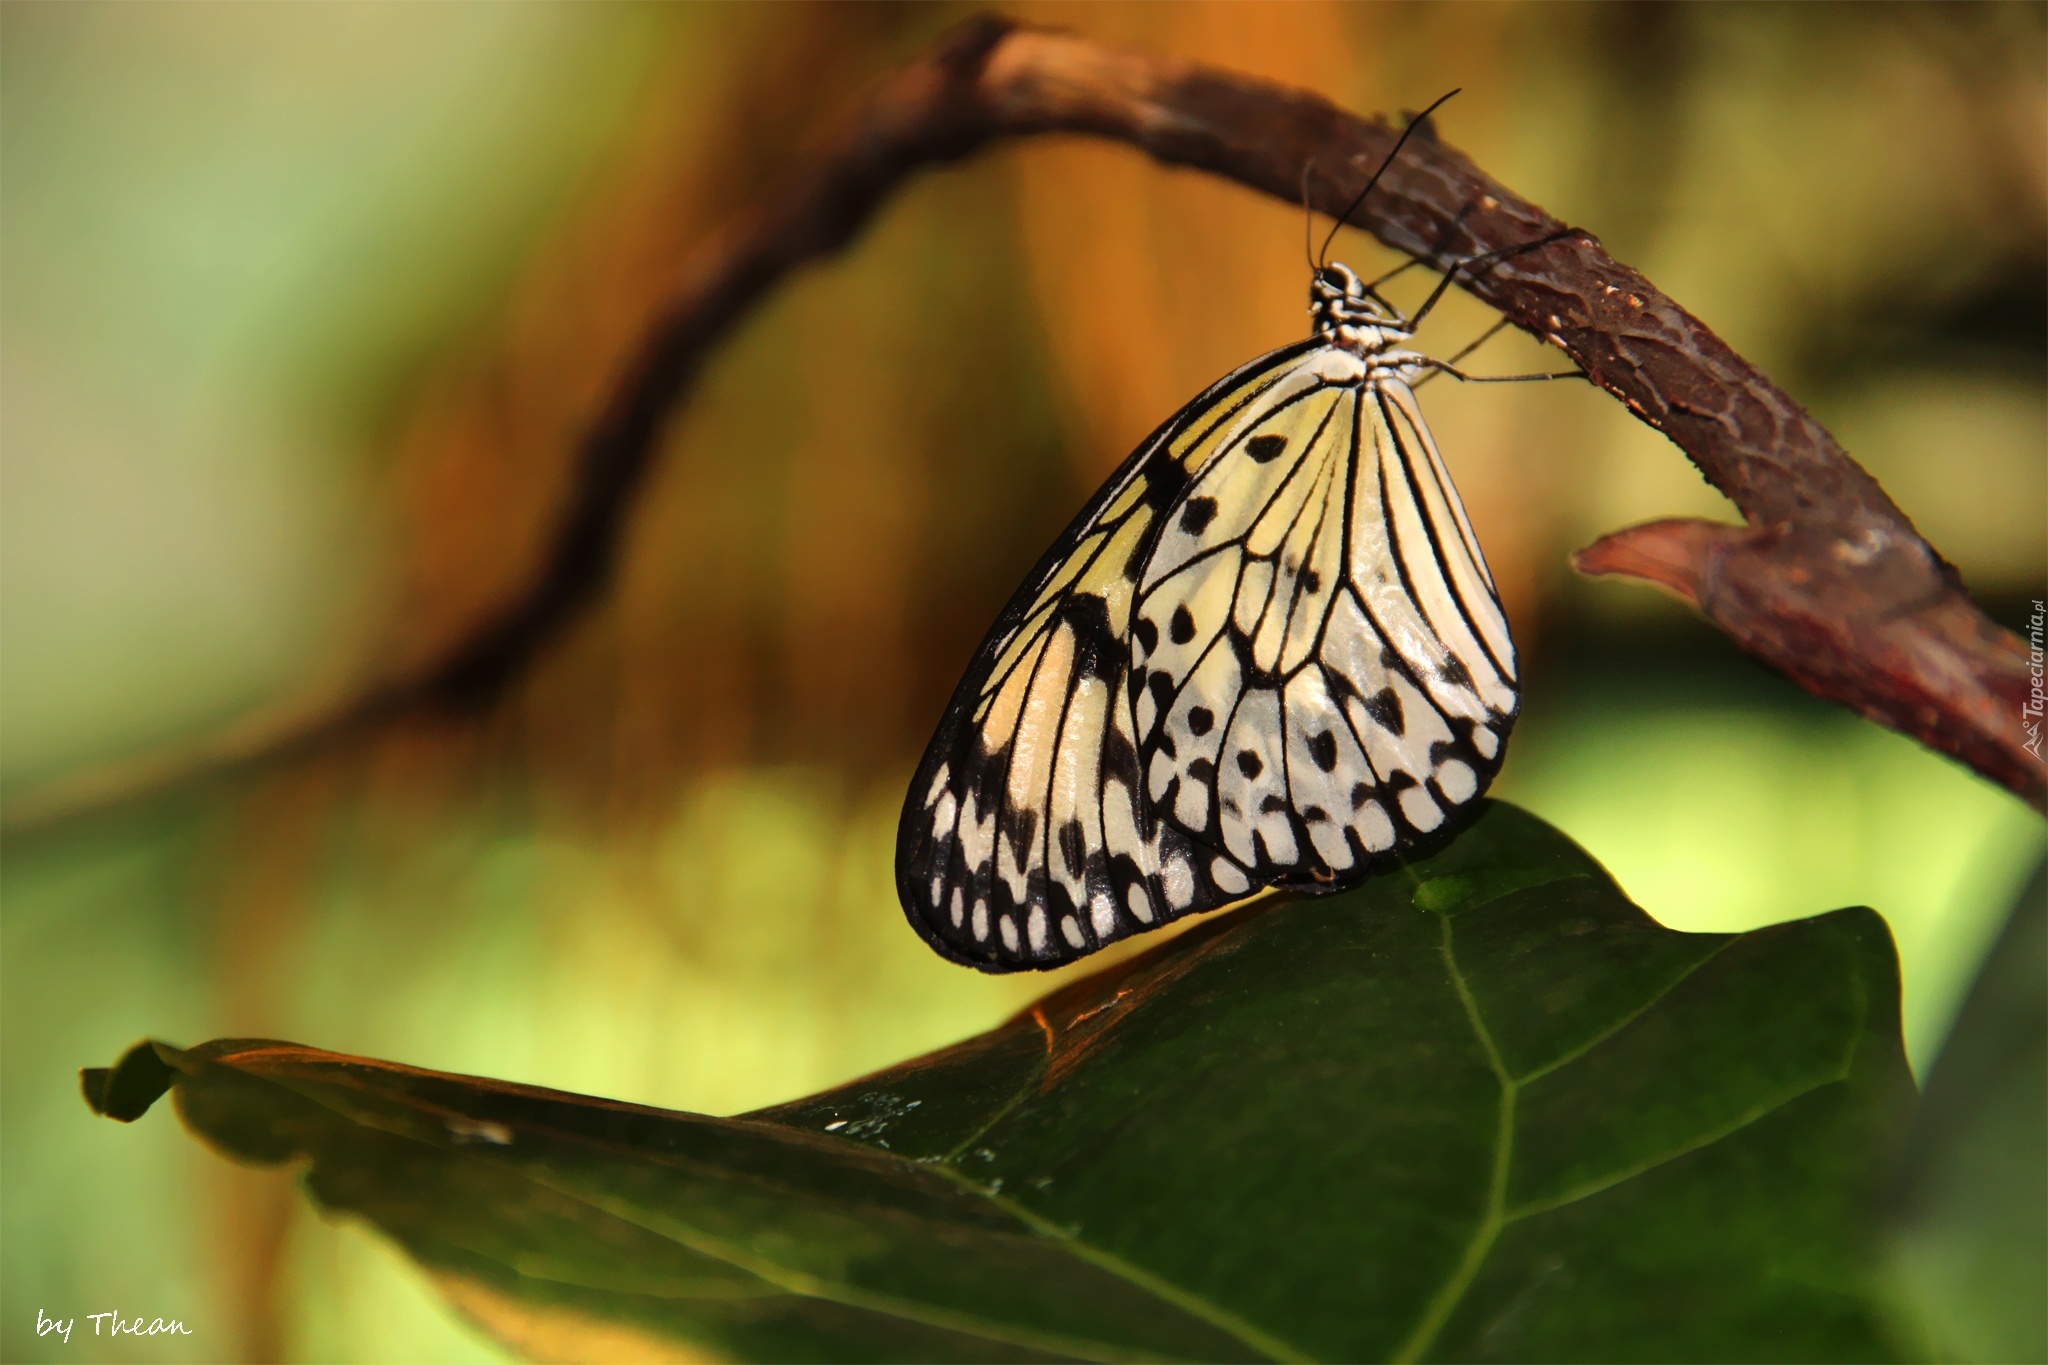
<point x="1488" y="259"/>
<point x="1463" y="351"/>
<point x="1445" y="367"/>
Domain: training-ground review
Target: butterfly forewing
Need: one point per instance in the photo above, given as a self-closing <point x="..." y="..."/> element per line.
<point x="1268" y="652"/>
<point x="1026" y="839"/>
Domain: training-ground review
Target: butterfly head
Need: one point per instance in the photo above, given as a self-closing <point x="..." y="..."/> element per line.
<point x="1349" y="314"/>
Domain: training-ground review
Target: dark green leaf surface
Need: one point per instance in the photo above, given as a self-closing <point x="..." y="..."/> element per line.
<point x="1480" y="1108"/>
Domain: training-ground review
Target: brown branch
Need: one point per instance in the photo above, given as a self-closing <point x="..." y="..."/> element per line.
<point x="1828" y="581"/>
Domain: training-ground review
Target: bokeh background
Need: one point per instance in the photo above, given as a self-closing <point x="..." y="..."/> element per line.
<point x="303" y="308"/>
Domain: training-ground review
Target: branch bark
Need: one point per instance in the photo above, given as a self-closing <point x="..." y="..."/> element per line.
<point x="1827" y="582"/>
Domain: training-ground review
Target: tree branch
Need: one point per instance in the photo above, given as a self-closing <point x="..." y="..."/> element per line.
<point x="1828" y="581"/>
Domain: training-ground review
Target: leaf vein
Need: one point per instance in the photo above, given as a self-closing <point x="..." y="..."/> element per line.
<point x="1587" y="1189"/>
<point x="808" y="1285"/>
<point x="1618" y="1025"/>
<point x="1023" y="1091"/>
<point x="1253" y="1336"/>
<point x="1442" y="1303"/>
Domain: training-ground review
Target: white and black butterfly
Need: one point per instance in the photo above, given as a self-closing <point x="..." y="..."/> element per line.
<point x="1268" y="652"/>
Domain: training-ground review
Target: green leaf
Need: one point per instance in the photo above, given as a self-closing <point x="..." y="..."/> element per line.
<point x="1480" y="1108"/>
<point x="1970" y="1255"/>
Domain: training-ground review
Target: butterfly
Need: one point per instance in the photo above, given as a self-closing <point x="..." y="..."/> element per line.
<point x="1267" y="653"/>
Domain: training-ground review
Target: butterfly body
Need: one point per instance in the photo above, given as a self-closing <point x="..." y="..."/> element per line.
<point x="1268" y="652"/>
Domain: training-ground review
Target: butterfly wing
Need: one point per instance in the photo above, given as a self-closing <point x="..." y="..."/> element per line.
<point x="1026" y="839"/>
<point x="1325" y="671"/>
<point x="1268" y="652"/>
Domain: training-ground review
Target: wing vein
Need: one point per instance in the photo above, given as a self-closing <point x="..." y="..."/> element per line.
<point x="1429" y="530"/>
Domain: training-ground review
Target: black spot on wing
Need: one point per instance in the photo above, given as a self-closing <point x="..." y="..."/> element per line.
<point x="1071" y="847"/>
<point x="1134" y="562"/>
<point x="1119" y="759"/>
<point x="1162" y="692"/>
<point x="1165" y="481"/>
<point x="1462" y="728"/>
<point x="1103" y="662"/>
<point x="1146" y="634"/>
<point x="1458" y="747"/>
<point x="1384" y="706"/>
<point x="1272" y="805"/>
<point x="1249" y="763"/>
<point x="1201" y="720"/>
<point x="1021" y="830"/>
<point x="985" y="776"/>
<point x="1265" y="449"/>
<point x="1181" y="628"/>
<point x="1253" y="677"/>
<point x="1100" y="651"/>
<point x="1454" y="671"/>
<point x="1202" y="770"/>
<point x="1323" y="749"/>
<point x="1196" y="514"/>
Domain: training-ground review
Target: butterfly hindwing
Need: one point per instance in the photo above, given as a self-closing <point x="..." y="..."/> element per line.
<point x="1429" y="707"/>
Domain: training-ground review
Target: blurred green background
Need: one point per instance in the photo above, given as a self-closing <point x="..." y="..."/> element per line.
<point x="303" y="308"/>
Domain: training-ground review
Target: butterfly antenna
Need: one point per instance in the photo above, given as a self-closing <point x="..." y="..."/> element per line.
<point x="1308" y="218"/>
<point x="1399" y="142"/>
